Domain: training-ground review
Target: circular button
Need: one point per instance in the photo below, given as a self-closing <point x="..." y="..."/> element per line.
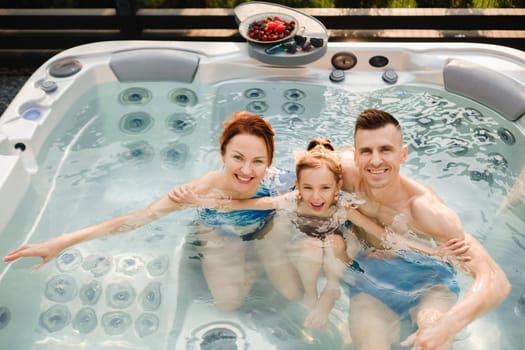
<point x="48" y="86"/>
<point x="390" y="76"/>
<point x="65" y="68"/>
<point x="344" y="60"/>
<point x="378" y="61"/>
<point x="337" y="75"/>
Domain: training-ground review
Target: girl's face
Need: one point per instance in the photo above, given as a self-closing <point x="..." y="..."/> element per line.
<point x="245" y="162"/>
<point x="318" y="188"/>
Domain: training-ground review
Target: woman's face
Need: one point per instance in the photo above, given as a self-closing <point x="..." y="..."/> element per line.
<point x="245" y="162"/>
<point x="318" y="188"/>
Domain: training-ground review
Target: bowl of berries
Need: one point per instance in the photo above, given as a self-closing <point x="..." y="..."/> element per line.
<point x="268" y="28"/>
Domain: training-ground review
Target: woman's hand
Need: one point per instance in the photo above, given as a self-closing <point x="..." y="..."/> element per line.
<point x="183" y="195"/>
<point x="46" y="250"/>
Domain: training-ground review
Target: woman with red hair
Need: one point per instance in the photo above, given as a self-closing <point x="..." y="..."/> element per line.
<point x="246" y="148"/>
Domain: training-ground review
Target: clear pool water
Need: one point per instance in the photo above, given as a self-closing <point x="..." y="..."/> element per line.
<point x="120" y="146"/>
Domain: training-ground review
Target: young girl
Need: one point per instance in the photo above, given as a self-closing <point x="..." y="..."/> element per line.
<point x="319" y="212"/>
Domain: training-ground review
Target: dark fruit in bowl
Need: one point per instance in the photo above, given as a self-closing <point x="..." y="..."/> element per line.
<point x="299" y="40"/>
<point x="317" y="42"/>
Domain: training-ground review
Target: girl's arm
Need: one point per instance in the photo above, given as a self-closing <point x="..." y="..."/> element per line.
<point x="184" y="194"/>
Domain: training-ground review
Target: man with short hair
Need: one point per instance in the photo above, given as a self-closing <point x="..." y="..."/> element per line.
<point x="423" y="288"/>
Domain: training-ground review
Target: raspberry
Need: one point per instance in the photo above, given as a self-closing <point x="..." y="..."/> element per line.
<point x="270" y="29"/>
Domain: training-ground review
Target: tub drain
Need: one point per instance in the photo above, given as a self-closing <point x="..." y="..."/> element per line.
<point x="218" y="336"/>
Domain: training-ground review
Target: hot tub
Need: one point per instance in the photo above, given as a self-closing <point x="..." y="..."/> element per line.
<point x="103" y="129"/>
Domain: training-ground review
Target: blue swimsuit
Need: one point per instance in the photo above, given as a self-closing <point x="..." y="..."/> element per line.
<point x="247" y="223"/>
<point x="399" y="282"/>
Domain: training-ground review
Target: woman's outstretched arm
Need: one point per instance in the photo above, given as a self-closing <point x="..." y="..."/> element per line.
<point x="49" y="249"/>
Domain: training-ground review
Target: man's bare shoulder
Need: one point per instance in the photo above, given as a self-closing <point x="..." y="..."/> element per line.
<point x="432" y="216"/>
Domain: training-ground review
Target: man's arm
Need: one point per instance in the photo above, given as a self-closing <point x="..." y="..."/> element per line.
<point x="488" y="289"/>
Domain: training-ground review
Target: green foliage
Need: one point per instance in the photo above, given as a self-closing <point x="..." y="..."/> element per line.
<point x="492" y="3"/>
<point x="402" y="3"/>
